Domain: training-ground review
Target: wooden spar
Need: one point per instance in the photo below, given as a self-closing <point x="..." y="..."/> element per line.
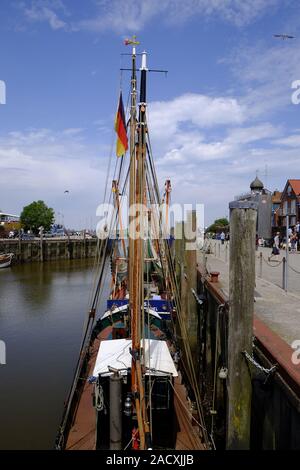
<point x="168" y="197"/>
<point x="167" y="201"/>
<point x="131" y="255"/>
<point x="136" y="244"/>
<point x="115" y="189"/>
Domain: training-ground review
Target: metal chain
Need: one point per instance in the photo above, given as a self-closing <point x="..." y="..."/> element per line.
<point x="272" y="265"/>
<point x="258" y="366"/>
<point x="293" y="269"/>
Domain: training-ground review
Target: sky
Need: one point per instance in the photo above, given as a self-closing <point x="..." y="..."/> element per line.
<point x="223" y="113"/>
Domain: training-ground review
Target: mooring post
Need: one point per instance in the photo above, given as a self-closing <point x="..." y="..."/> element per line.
<point x="260" y="264"/>
<point x="41" y="244"/>
<point x="84" y="243"/>
<point x="20" y="246"/>
<point x="286" y="252"/>
<point x="115" y="415"/>
<point x="283" y="272"/>
<point x="219" y="248"/>
<point x="226" y="252"/>
<point x="178" y="248"/>
<point x="240" y="326"/>
<point x="191" y="283"/>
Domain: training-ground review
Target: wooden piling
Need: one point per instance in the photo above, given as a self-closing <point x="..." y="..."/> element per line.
<point x="191" y="283"/>
<point x="240" y="329"/>
<point x="41" y="247"/>
<point x="178" y="249"/>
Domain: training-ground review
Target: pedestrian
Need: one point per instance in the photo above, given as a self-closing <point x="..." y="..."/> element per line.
<point x="222" y="238"/>
<point x="298" y="233"/>
<point x="294" y="239"/>
<point x="276" y="243"/>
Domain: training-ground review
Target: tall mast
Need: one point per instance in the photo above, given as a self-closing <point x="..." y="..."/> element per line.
<point x="132" y="174"/>
<point x="136" y="246"/>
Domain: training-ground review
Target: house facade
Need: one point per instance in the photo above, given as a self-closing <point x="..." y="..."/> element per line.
<point x="290" y="203"/>
<point x="276" y="202"/>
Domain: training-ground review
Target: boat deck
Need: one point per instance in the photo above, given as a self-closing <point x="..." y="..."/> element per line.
<point x="83" y="430"/>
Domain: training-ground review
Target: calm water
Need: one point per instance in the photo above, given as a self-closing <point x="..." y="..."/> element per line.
<point x="42" y="312"/>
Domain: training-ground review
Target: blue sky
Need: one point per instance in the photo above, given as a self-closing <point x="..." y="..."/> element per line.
<point x="223" y="112"/>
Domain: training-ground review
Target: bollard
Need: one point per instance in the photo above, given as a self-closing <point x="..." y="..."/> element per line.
<point x="260" y="264"/>
<point x="243" y="216"/>
<point x="283" y="273"/>
<point x="226" y="252"/>
<point x="219" y="249"/>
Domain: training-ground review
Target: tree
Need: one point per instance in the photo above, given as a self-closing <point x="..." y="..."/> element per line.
<point x="219" y="224"/>
<point x="35" y="215"/>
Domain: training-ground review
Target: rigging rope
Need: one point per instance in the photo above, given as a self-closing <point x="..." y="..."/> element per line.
<point x="177" y="301"/>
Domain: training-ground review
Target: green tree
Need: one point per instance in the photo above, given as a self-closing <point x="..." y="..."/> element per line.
<point x="35" y="215"/>
<point x="218" y="224"/>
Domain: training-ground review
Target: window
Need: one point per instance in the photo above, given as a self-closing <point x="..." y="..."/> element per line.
<point x="293" y="207"/>
<point x="285" y="206"/>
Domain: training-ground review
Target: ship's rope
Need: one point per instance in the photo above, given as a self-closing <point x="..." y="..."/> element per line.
<point x="177" y="300"/>
<point x="96" y="290"/>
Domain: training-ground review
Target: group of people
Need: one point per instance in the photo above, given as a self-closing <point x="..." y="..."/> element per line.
<point x="292" y="241"/>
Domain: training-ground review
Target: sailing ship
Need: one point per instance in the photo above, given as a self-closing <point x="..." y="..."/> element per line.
<point x="6" y="259"/>
<point x="127" y="391"/>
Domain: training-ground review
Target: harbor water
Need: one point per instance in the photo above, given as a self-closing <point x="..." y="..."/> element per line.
<point x="43" y="309"/>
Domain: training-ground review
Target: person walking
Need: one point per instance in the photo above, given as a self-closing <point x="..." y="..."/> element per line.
<point x="222" y="238"/>
<point x="276" y="245"/>
<point x="298" y="234"/>
<point x="294" y="240"/>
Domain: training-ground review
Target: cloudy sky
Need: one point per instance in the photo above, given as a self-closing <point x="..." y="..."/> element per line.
<point x="223" y="112"/>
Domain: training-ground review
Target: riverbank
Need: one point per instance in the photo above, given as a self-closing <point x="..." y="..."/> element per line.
<point x="49" y="249"/>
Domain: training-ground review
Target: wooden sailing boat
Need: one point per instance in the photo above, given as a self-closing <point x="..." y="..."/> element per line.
<point x="6" y="259"/>
<point x="127" y="391"/>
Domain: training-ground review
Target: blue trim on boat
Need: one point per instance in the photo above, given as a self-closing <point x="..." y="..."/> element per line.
<point x="162" y="307"/>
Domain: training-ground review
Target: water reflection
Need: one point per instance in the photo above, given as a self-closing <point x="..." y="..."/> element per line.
<point x="42" y="311"/>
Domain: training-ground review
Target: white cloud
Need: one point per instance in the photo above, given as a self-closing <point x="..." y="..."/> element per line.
<point x="41" y="164"/>
<point x="165" y="118"/>
<point x="211" y="148"/>
<point x="132" y="15"/>
<point x="265" y="74"/>
<point x="45" y="11"/>
<point x="290" y="141"/>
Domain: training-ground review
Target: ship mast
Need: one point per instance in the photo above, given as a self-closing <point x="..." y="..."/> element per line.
<point x="136" y="245"/>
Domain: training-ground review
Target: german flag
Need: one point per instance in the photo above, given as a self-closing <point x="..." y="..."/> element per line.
<point x="120" y="128"/>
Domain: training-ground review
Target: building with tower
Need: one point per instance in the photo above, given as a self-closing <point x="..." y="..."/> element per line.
<point x="263" y="198"/>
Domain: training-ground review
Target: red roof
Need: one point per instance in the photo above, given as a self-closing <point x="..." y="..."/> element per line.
<point x="295" y="184"/>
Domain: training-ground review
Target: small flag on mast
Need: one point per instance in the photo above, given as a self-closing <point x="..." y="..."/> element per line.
<point x="120" y="128"/>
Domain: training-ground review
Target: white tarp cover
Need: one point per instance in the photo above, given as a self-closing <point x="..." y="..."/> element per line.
<point x="125" y="307"/>
<point x="115" y="353"/>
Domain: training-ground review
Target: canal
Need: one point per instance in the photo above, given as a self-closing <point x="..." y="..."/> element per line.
<point x="43" y="308"/>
